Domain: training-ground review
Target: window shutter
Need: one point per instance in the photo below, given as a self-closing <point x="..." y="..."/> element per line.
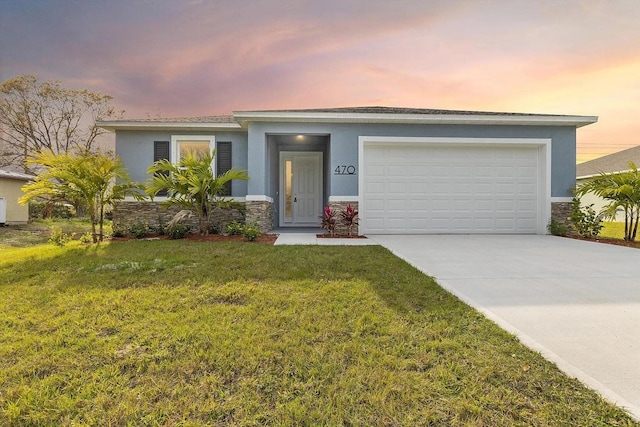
<point x="161" y="152"/>
<point x="223" y="162"/>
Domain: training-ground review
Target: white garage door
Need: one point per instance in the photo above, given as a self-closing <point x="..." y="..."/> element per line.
<point x="431" y="188"/>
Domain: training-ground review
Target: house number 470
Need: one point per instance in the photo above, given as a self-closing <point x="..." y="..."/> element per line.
<point x="344" y="170"/>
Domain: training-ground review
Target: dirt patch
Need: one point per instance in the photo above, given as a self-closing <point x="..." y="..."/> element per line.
<point x="264" y="239"/>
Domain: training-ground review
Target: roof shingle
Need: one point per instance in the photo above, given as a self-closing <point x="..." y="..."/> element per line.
<point x="15" y="175"/>
<point x="615" y="162"/>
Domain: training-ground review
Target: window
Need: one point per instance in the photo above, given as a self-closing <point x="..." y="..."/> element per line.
<point x="183" y="144"/>
<point x="161" y="152"/>
<point x="223" y="162"/>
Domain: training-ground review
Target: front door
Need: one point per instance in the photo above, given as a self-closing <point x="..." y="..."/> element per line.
<point x="300" y="188"/>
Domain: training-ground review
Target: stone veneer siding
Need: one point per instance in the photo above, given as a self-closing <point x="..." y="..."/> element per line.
<point x="339" y="207"/>
<point x="561" y="212"/>
<point x="261" y="213"/>
<point x="126" y="213"/>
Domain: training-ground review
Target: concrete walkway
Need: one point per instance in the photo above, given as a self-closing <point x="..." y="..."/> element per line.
<point x="311" y="239"/>
<point x="576" y="302"/>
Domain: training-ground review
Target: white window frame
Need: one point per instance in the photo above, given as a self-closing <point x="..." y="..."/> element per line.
<point x="175" y="146"/>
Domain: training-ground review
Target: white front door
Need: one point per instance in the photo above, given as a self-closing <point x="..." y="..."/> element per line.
<point x="300" y="188"/>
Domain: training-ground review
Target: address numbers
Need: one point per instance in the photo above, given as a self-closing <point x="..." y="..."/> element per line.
<point x="344" y="170"/>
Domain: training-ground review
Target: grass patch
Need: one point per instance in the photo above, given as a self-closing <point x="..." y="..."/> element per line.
<point x="192" y="333"/>
<point x="614" y="230"/>
<point x="39" y="230"/>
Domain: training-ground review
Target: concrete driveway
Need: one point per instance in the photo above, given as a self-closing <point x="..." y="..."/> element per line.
<point x="576" y="302"/>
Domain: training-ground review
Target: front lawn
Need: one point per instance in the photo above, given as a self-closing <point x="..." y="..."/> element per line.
<point x="194" y="333"/>
<point x="39" y="231"/>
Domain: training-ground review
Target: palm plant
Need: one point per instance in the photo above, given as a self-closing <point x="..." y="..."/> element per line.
<point x="88" y="180"/>
<point x="191" y="184"/>
<point x="622" y="190"/>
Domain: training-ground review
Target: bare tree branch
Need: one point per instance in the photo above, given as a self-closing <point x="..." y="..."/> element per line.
<point x="37" y="116"/>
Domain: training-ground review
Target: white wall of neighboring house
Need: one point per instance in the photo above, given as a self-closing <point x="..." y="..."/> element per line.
<point x="598" y="202"/>
<point x="11" y="191"/>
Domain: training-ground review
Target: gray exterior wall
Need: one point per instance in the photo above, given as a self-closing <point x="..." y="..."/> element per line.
<point x="135" y="148"/>
<point x="343" y="149"/>
<point x="252" y="152"/>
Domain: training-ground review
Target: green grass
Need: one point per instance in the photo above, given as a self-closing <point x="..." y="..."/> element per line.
<point x="38" y="231"/>
<point x="613" y="230"/>
<point x="192" y="333"/>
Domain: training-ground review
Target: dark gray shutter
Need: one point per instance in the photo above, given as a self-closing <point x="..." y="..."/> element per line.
<point x="223" y="162"/>
<point x="161" y="152"/>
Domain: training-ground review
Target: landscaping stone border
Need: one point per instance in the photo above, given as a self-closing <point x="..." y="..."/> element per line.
<point x="126" y="213"/>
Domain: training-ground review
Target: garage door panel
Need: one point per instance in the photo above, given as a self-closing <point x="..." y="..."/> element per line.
<point x="445" y="189"/>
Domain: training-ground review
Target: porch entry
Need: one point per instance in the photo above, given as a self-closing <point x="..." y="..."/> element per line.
<point x="300" y="188"/>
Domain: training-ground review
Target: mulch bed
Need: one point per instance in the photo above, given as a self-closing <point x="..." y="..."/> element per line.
<point x="264" y="239"/>
<point x="338" y="236"/>
<point x="607" y="240"/>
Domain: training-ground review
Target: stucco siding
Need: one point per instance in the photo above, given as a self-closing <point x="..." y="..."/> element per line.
<point x="11" y="190"/>
<point x="135" y="148"/>
<point x="343" y="149"/>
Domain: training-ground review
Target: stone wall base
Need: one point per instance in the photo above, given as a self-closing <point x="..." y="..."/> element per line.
<point x="561" y="213"/>
<point x="154" y="214"/>
<point x="261" y="213"/>
<point x="339" y="207"/>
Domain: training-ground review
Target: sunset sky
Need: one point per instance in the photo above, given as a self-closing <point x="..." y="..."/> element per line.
<point x="175" y="58"/>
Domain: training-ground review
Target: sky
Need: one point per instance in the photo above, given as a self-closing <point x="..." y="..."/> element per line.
<point x="177" y="58"/>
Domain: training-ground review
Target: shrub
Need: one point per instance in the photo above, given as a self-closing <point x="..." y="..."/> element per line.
<point x="251" y="231"/>
<point x="139" y="230"/>
<point x="86" y="238"/>
<point x="178" y="231"/>
<point x="349" y="217"/>
<point x="584" y="218"/>
<point x="60" y="238"/>
<point x="234" y="228"/>
<point x="118" y="230"/>
<point x="160" y="229"/>
<point x="44" y="210"/>
<point x="214" y="229"/>
<point x="557" y="228"/>
<point x="329" y="220"/>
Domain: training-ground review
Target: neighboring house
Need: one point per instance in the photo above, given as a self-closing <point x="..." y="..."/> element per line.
<point x="407" y="170"/>
<point x="612" y="163"/>
<point x="11" y="212"/>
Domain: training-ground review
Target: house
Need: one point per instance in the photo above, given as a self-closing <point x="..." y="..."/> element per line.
<point x="11" y="212"/>
<point x="612" y="163"/>
<point x="408" y="170"/>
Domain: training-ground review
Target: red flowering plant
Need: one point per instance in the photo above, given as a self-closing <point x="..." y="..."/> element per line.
<point x="329" y="220"/>
<point x="349" y="217"/>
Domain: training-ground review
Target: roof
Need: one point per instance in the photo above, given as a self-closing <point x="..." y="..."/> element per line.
<point x="373" y="114"/>
<point x="616" y="162"/>
<point x="402" y="110"/>
<point x="15" y="175"/>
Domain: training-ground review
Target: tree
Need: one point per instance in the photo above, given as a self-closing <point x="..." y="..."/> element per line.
<point x="85" y="179"/>
<point x="36" y="116"/>
<point x="191" y="184"/>
<point x="622" y="190"/>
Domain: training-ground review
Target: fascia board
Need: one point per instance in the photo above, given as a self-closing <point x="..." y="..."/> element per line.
<point x="466" y="119"/>
<point x="124" y="125"/>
